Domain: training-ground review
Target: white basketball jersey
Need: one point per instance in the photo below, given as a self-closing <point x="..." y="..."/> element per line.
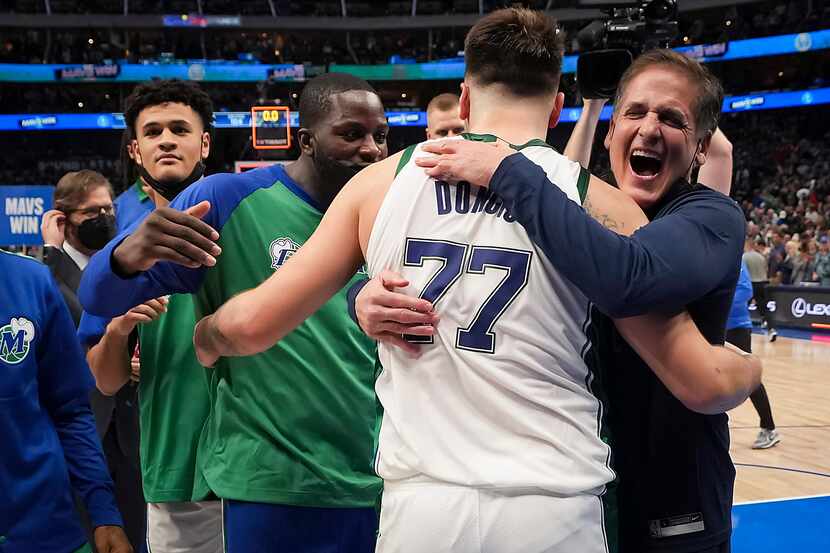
<point x="501" y="398"/>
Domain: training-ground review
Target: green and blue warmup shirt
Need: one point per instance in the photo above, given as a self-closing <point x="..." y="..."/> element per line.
<point x="131" y="205"/>
<point x="293" y="425"/>
<point x="50" y="446"/>
<point x="174" y="401"/>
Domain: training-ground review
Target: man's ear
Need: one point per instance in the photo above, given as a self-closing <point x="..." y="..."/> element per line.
<point x="205" y="144"/>
<point x="464" y="103"/>
<point x="306" y="139"/>
<point x="609" y="135"/>
<point x="136" y="152"/>
<point x="557" y="109"/>
<point x="703" y="149"/>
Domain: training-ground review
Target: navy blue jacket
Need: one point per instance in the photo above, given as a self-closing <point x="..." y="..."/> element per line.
<point x="50" y="445"/>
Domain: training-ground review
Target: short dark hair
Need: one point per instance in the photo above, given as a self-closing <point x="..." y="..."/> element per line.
<point x="73" y="188"/>
<point x="162" y="91"/>
<point x="444" y="102"/>
<point x="315" y="99"/>
<point x="129" y="173"/>
<point x="518" y="48"/>
<point x="706" y="110"/>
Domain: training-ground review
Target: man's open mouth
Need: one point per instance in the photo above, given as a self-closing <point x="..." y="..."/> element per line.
<point x="645" y="163"/>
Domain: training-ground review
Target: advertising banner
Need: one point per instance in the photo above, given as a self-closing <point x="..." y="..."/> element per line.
<point x="22" y="209"/>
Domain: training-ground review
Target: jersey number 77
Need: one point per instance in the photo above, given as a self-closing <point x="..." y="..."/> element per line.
<point x="455" y="263"/>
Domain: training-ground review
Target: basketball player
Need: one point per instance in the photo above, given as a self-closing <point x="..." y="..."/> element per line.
<point x="739" y="333"/>
<point x="492" y="441"/>
<point x="666" y="110"/>
<point x="442" y="117"/>
<point x="171" y="121"/>
<point x="291" y="463"/>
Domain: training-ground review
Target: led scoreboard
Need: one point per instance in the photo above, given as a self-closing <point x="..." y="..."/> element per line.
<point x="270" y="128"/>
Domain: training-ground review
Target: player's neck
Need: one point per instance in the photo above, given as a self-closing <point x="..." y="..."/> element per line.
<point x="516" y="126"/>
<point x="305" y="174"/>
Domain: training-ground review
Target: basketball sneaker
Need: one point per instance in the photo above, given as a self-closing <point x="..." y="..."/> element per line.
<point x="766" y="439"/>
<point x="772" y="335"/>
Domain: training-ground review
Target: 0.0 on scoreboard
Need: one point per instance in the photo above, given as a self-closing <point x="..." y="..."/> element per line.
<point x="270" y="127"/>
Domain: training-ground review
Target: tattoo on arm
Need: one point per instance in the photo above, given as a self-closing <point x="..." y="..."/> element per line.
<point x="603" y="218"/>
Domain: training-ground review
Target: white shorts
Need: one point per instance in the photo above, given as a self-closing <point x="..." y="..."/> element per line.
<point x="184" y="527"/>
<point x="424" y="517"/>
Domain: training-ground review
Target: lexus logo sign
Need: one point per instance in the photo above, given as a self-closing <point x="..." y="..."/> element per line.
<point x="800" y="307"/>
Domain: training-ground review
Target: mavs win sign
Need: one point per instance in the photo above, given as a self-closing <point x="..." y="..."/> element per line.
<point x="15" y="340"/>
<point x="21" y="209"/>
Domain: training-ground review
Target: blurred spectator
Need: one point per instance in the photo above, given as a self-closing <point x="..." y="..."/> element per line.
<point x="823" y="261"/>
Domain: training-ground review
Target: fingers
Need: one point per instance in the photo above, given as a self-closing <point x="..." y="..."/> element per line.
<point x="189" y="256"/>
<point x="158" y="305"/>
<point x="390" y="279"/>
<point x="396" y="300"/>
<point x="176" y="224"/>
<point x="441" y="147"/>
<point x="135" y="318"/>
<point x="427" y="162"/>
<point x="199" y="210"/>
<point x="397" y="341"/>
<point x="146" y="312"/>
<point x="378" y="314"/>
<point x="397" y="328"/>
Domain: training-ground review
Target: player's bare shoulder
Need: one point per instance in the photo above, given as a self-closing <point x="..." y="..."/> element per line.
<point x="366" y="190"/>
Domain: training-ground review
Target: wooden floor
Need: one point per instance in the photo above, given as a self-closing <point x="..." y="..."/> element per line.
<point x="797" y="379"/>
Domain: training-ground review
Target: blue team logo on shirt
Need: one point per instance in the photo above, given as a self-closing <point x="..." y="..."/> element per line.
<point x="281" y="249"/>
<point x="15" y="339"/>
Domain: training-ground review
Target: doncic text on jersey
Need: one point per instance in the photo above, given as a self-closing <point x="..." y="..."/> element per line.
<point x="458" y="201"/>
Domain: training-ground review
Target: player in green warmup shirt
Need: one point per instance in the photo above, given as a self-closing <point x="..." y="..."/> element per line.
<point x="288" y="445"/>
<point x="173" y="121"/>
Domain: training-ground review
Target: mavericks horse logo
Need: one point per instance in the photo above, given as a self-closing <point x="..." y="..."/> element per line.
<point x="15" y="340"/>
<point x="281" y="249"/>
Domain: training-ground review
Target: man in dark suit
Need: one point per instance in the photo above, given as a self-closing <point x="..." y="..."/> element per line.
<point x="81" y="223"/>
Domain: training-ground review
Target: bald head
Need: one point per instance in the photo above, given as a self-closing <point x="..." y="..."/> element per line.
<point x="442" y="117"/>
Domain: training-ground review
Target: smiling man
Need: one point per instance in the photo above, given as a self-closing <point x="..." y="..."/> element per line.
<point x="288" y="442"/>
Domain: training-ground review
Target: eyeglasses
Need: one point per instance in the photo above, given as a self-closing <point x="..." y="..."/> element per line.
<point x="94" y="211"/>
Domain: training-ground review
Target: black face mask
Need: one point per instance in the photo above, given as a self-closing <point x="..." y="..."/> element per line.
<point x="335" y="173"/>
<point x="171" y="189"/>
<point x="95" y="233"/>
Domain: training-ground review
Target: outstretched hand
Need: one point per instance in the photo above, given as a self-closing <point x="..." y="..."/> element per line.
<point x="168" y="234"/>
<point x="464" y="160"/>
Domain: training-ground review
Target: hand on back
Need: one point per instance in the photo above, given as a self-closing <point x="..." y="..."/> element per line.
<point x="386" y="315"/>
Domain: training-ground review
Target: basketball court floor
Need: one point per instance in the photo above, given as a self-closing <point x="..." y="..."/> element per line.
<point x="782" y="494"/>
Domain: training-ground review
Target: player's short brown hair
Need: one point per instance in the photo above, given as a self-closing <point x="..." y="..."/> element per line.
<point x="444" y="102"/>
<point x="518" y="48"/>
<point x="73" y="188"/>
<point x="707" y="108"/>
